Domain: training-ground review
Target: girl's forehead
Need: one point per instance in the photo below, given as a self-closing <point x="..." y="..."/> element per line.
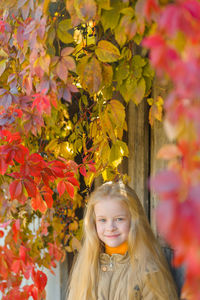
<point x="110" y="206"/>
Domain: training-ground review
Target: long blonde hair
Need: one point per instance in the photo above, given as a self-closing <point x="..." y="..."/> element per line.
<point x="142" y="244"/>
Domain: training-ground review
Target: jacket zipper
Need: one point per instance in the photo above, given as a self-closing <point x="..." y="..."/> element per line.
<point x="111" y="262"/>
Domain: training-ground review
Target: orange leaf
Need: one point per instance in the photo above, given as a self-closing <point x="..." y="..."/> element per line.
<point x="169" y="151"/>
<point x="38" y="203"/>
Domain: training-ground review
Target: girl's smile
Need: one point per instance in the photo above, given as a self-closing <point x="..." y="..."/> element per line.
<point x="112" y="222"/>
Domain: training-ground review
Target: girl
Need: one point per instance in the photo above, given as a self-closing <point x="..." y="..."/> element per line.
<point x="120" y="258"/>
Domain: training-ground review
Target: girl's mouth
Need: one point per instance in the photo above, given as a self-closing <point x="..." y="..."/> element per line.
<point x="112" y="236"/>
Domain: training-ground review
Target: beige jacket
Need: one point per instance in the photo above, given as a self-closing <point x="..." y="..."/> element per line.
<point x="115" y="275"/>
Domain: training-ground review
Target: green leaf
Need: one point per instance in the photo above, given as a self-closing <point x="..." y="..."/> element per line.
<point x="120" y="35"/>
<point x="129" y="11"/>
<point x="122" y="72"/>
<point x="139" y="91"/>
<point x="51" y="36"/>
<point x="107" y="52"/>
<point x="63" y="31"/>
<point x="110" y="18"/>
<point x="148" y="71"/>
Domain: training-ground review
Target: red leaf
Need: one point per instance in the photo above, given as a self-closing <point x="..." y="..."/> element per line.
<point x="40" y="280"/>
<point x="21" y="153"/>
<point x="48" y="198"/>
<point x="22" y="253"/>
<point x="92" y="168"/>
<point x="16" y="266"/>
<point x="70" y="189"/>
<point x="15" y="229"/>
<point x="3" y="165"/>
<point x="73" y="180"/>
<point x="42" y="102"/>
<point x="38" y="203"/>
<point x="15" y="189"/>
<point x="83" y="170"/>
<point x="1" y="233"/>
<point x="61" y="188"/>
<point x="30" y="187"/>
<point x="166" y="182"/>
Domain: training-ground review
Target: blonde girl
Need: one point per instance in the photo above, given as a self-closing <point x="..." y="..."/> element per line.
<point x="120" y="258"/>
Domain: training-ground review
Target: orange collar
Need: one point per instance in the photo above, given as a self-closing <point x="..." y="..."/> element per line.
<point x="121" y="249"/>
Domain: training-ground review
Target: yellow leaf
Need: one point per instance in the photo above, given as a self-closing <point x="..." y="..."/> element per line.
<point x="89" y="70"/>
<point x="107" y="52"/>
<point x="117" y="112"/>
<point x="107" y="74"/>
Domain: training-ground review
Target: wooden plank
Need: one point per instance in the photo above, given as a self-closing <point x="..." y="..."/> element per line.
<point x="158" y="139"/>
<point x="138" y="143"/>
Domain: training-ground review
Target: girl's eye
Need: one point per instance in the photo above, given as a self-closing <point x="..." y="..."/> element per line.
<point x="119" y="219"/>
<point x="102" y="220"/>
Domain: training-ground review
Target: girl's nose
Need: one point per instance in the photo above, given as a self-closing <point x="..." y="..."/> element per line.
<point x="111" y="225"/>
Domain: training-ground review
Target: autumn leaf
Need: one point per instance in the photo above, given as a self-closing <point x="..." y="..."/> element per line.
<point x="169" y="151"/>
<point x="38" y="203"/>
<point x="61" y="188"/>
<point x="107" y="52"/>
<point x="90" y="74"/>
<point x="85" y="9"/>
<point x="15" y="189"/>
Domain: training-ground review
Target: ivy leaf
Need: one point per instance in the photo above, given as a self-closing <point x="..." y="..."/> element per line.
<point x="107" y="52"/>
<point x="90" y="74"/>
<point x="3" y="64"/>
<point x="62" y="71"/>
<point x="70" y="189"/>
<point x="139" y="91"/>
<point x="110" y="18"/>
<point x="3" y="165"/>
<point x="63" y="31"/>
<point x="118" y="150"/>
<point x="72" y="11"/>
<point x="38" y="203"/>
<point x="40" y="280"/>
<point x="61" y="188"/>
<point x="30" y="186"/>
<point x="15" y="189"/>
<point x="116" y="112"/>
<point x="85" y="9"/>
<point x="107" y="74"/>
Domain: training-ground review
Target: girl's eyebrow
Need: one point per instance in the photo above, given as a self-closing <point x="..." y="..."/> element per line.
<point x="122" y="215"/>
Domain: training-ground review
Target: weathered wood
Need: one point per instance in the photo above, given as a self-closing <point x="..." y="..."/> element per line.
<point x="138" y="144"/>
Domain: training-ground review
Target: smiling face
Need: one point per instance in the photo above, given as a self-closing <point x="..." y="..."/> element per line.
<point x="112" y="222"/>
